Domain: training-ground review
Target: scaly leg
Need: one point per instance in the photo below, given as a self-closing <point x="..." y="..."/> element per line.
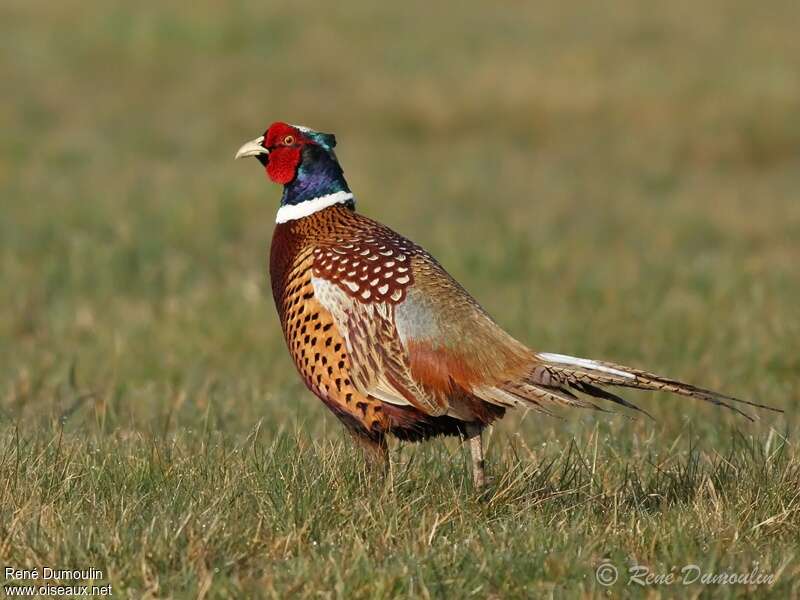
<point x="473" y="436"/>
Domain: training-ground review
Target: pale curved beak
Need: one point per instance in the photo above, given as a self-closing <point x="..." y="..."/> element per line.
<point x="251" y="148"/>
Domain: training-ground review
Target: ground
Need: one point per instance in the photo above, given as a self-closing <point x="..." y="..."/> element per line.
<point x="613" y="182"/>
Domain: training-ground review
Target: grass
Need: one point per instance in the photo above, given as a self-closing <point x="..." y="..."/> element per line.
<point x="619" y="184"/>
<point x="276" y="514"/>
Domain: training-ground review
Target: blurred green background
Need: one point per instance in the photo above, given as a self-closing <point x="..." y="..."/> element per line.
<point x="613" y="180"/>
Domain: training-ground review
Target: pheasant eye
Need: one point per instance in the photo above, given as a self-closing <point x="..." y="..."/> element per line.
<point x="288" y="140"/>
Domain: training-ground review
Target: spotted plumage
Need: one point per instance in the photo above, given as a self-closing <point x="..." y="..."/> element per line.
<point x="315" y="342"/>
<point x="386" y="338"/>
<point x="371" y="264"/>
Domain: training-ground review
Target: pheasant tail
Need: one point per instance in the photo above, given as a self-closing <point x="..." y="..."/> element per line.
<point x="556" y="378"/>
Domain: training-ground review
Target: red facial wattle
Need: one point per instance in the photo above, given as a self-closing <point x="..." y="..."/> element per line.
<point x="285" y="144"/>
<point x="282" y="164"/>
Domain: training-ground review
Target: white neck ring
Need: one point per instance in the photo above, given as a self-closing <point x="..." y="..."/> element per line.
<point x="292" y="212"/>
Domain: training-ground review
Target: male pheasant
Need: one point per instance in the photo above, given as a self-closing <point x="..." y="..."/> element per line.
<point x="386" y="338"/>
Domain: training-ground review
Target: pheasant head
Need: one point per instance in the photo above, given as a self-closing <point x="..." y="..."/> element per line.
<point x="303" y="161"/>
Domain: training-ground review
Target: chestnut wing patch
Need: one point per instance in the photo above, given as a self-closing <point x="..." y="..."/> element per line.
<point x="370" y="268"/>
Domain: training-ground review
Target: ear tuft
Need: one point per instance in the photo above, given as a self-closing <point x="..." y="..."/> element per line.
<point x="328" y="140"/>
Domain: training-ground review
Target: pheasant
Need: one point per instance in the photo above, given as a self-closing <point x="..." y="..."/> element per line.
<point x="387" y="339"/>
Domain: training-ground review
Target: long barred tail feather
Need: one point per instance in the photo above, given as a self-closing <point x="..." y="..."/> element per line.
<point x="551" y="380"/>
<point x="596" y="392"/>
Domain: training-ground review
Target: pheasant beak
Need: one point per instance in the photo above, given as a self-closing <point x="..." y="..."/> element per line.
<point x="252" y="148"/>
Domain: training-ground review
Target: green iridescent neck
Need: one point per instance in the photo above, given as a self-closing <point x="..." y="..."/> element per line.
<point x="318" y="174"/>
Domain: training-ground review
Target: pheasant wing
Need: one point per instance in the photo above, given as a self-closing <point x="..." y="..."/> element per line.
<point x="415" y="336"/>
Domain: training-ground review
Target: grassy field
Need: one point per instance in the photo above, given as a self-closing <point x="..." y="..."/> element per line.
<point x="616" y="182"/>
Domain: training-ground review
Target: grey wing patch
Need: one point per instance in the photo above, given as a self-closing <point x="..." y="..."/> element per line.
<point x="416" y="318"/>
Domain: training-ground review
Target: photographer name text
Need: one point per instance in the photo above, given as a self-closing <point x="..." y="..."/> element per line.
<point x="48" y="581"/>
